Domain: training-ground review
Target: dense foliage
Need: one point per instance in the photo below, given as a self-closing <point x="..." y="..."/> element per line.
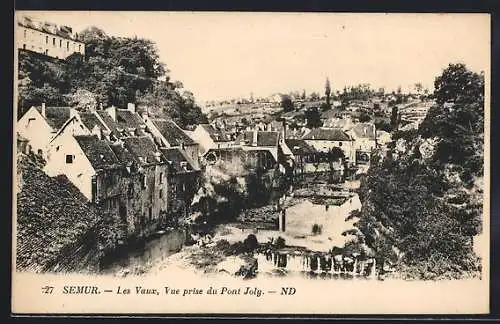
<point x="422" y="202"/>
<point x="114" y="71"/>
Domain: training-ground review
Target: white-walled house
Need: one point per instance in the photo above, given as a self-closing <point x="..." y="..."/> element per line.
<point x="211" y="138"/>
<point x="70" y="155"/>
<point x="364" y="136"/>
<point x="260" y="140"/>
<point x="325" y="139"/>
<point x="39" y="125"/>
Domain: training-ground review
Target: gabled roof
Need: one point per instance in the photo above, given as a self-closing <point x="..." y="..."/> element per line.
<point x="216" y="135"/>
<point x="364" y="130"/>
<point x="174" y="157"/>
<point x="142" y="149"/>
<point x="97" y="151"/>
<point x="90" y="120"/>
<point x="125" y="120"/>
<point x="327" y="134"/>
<point x="299" y="146"/>
<point x="56" y="116"/>
<point x="172" y="133"/>
<point x="264" y="138"/>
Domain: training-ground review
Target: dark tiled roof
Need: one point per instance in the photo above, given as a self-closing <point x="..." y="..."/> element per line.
<point x="122" y="153"/>
<point x="327" y="134"/>
<point x="51" y="214"/>
<point x="216" y="135"/>
<point x="174" y="157"/>
<point x="97" y="151"/>
<point x="90" y="120"/>
<point x="364" y="130"/>
<point x="264" y="138"/>
<point x="125" y="120"/>
<point x="174" y="135"/>
<point x="299" y="146"/>
<point x="56" y="116"/>
<point x="142" y="149"/>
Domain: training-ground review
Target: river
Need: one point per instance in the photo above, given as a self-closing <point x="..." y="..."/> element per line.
<point x="159" y="250"/>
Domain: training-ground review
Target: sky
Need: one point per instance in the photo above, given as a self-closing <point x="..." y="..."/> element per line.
<point x="222" y="55"/>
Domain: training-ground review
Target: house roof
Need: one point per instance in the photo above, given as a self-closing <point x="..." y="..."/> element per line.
<point x="299" y="146"/>
<point x="364" y="130"/>
<point x="172" y="133"/>
<point x="125" y="120"/>
<point x="216" y="135"/>
<point x="56" y="116"/>
<point x="97" y="151"/>
<point x="174" y="157"/>
<point x="142" y="149"/>
<point x="90" y="120"/>
<point x="51" y="215"/>
<point x="264" y="138"/>
<point x="327" y="134"/>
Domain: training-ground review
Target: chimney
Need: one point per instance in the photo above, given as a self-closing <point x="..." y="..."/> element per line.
<point x="97" y="131"/>
<point x="112" y="112"/>
<point x="44" y="112"/>
<point x="131" y="107"/>
<point x="158" y="156"/>
<point x="72" y="112"/>
<point x="255" y="133"/>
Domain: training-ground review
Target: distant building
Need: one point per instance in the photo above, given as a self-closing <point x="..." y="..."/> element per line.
<point x="325" y="139"/>
<point x="260" y="140"/>
<point x="47" y="39"/>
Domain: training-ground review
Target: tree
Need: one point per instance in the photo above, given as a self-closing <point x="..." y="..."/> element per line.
<point x="458" y="85"/>
<point x="327" y="92"/>
<point x="313" y="117"/>
<point x="394" y="117"/>
<point x="364" y="117"/>
<point x="286" y="103"/>
<point x="83" y="99"/>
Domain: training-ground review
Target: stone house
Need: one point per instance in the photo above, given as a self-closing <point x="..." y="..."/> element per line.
<point x="325" y="139"/>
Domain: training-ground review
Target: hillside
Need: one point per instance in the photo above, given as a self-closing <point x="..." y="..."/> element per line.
<point x="423" y="201"/>
<point x="115" y="71"/>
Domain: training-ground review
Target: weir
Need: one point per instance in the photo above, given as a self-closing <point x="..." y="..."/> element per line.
<point x="317" y="264"/>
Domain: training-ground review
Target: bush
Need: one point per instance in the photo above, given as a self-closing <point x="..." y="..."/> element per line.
<point x="251" y="242"/>
<point x="280" y="243"/>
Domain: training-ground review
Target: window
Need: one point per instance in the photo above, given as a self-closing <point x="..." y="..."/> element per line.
<point x="60" y="43"/>
<point x="46" y="52"/>
<point x="46" y="39"/>
<point x="161" y="193"/>
<point x="67" y="46"/>
<point x="79" y="48"/>
<point x="57" y="149"/>
<point x="150" y="212"/>
<point x="53" y="41"/>
<point x="144" y="182"/>
<point x="24" y="33"/>
<point x="161" y="178"/>
<point x="340" y="143"/>
<point x="69" y="159"/>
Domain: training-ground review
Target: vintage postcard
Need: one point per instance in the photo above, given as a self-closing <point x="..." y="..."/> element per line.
<point x="251" y="163"/>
